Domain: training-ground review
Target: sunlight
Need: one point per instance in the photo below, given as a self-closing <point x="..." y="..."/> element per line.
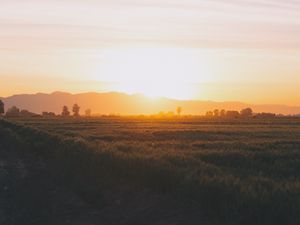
<point x="154" y="89"/>
<point x="167" y="72"/>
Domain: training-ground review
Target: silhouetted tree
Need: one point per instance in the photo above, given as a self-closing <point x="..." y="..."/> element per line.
<point x="75" y="110"/>
<point x="223" y="113"/>
<point x="65" y="111"/>
<point x="88" y="112"/>
<point x="49" y="114"/>
<point x="13" y="112"/>
<point x="216" y="113"/>
<point x="246" y="112"/>
<point x="26" y="113"/>
<point x="179" y="110"/>
<point x="209" y="114"/>
<point x="265" y="115"/>
<point x="232" y="114"/>
<point x="1" y="107"/>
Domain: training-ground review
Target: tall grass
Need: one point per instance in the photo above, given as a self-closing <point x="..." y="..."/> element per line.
<point x="233" y="180"/>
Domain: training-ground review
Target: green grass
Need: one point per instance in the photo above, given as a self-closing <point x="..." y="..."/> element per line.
<point x="239" y="171"/>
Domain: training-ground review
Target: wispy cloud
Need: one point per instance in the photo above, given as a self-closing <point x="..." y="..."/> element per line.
<point x="248" y="41"/>
<point x="214" y="23"/>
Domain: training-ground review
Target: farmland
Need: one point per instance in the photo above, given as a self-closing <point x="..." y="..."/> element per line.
<point x="233" y="171"/>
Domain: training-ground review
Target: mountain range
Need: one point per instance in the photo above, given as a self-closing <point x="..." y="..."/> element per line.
<point x="125" y="104"/>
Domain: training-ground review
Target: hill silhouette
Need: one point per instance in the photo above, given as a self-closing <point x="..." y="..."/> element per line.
<point x="121" y="103"/>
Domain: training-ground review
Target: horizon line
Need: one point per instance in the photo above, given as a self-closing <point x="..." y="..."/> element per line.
<point x="150" y="97"/>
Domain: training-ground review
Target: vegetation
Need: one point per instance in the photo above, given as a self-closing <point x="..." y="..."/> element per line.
<point x="48" y="114"/>
<point x="76" y="110"/>
<point x="265" y="115"/>
<point x="65" y="111"/>
<point x="1" y="107"/>
<point x="16" y="112"/>
<point x="216" y="113"/>
<point x="88" y="112"/>
<point x="13" y="112"/>
<point x="241" y="171"/>
<point x="246" y="112"/>
<point x="179" y="110"/>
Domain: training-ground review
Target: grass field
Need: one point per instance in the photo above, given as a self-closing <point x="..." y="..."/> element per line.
<point x="243" y="171"/>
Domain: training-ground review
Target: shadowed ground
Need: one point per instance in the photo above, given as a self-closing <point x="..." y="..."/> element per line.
<point x="30" y="195"/>
<point x="145" y="171"/>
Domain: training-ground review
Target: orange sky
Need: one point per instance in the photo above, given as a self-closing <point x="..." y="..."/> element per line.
<point x="223" y="50"/>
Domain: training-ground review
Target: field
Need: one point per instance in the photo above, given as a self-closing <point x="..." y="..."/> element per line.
<point x="239" y="171"/>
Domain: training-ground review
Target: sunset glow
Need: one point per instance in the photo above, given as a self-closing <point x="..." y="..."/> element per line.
<point x="155" y="72"/>
<point x="210" y="50"/>
<point x="150" y="112"/>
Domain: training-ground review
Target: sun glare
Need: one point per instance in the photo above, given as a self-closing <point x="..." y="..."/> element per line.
<point x="166" y="72"/>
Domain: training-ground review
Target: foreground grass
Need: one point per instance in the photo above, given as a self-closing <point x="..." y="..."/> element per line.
<point x="241" y="172"/>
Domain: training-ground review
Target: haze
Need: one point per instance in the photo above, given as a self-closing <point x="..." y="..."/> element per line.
<point x="221" y="50"/>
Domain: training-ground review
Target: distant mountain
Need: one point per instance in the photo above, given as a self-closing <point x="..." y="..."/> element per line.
<point x="120" y="103"/>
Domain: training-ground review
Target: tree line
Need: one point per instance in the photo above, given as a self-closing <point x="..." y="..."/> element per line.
<point x="244" y="113"/>
<point x="217" y="113"/>
<point x="16" y="112"/>
<point x="247" y="112"/>
<point x="75" y="110"/>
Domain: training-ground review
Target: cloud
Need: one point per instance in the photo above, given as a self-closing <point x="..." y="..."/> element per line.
<point x="65" y="24"/>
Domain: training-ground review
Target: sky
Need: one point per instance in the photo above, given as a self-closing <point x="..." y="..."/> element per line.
<point x="220" y="50"/>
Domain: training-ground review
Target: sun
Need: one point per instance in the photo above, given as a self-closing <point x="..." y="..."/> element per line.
<point x="166" y="72"/>
<point x="154" y="89"/>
